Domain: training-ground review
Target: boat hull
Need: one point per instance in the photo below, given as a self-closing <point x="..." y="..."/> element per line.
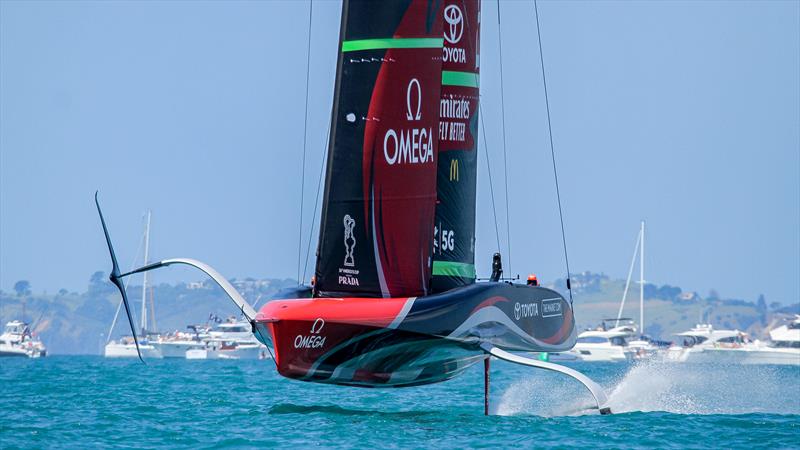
<point x="255" y="351"/>
<point x="755" y="356"/>
<point x="10" y="351"/>
<point x="176" y="349"/>
<point x="601" y="353"/>
<point x="116" y="350"/>
<point x="398" y="342"/>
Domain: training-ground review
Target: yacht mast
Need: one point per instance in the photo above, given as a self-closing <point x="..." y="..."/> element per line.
<point x="641" y="281"/>
<point x="144" y="276"/>
<point x="630" y="276"/>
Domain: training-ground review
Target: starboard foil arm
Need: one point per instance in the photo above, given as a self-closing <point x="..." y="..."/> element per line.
<point x="597" y="391"/>
<point x="116" y="279"/>
<point x="226" y="286"/>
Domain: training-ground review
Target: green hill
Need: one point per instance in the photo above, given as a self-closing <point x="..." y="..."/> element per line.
<point x="78" y="323"/>
<point x="668" y="309"/>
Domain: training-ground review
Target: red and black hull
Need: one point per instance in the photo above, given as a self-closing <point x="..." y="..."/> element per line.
<point x="399" y="342"/>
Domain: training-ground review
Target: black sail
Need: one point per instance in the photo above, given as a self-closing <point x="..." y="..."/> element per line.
<point x="380" y="188"/>
<point x="454" y="228"/>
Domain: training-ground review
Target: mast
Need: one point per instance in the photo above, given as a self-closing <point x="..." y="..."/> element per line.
<point x="144" y="276"/>
<point x="641" y="280"/>
<point x="454" y="225"/>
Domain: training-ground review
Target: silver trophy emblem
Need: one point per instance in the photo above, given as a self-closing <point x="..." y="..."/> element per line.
<point x="349" y="240"/>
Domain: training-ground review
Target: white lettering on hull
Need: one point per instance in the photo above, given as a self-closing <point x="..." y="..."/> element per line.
<point x="524" y="310"/>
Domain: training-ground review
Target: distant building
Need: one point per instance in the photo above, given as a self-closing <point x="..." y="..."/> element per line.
<point x="688" y="297"/>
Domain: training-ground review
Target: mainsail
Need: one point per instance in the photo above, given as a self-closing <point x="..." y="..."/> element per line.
<point x="454" y="229"/>
<point x="380" y="191"/>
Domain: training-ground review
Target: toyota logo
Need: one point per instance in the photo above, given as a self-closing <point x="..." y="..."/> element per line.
<point x="454" y="18"/>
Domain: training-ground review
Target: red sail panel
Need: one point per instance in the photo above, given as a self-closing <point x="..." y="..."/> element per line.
<point x="454" y="229"/>
<point x="380" y="195"/>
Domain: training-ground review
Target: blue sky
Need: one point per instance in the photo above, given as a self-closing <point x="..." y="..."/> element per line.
<point x="685" y="114"/>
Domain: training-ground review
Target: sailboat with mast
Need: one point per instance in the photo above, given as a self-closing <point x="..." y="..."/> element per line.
<point x="127" y="346"/>
<point x="395" y="302"/>
<point x="619" y="339"/>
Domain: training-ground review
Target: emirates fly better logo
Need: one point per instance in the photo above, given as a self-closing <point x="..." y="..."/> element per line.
<point x="412" y="145"/>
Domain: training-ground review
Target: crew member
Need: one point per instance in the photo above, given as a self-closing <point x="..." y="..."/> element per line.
<point x="497" y="267"/>
<point x="532" y="280"/>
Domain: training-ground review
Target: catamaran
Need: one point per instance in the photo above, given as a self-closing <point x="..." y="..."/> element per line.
<point x="395" y="302"/>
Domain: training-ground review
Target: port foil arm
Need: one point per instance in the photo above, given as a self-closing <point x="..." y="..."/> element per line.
<point x="226" y="286"/>
<point x="597" y="391"/>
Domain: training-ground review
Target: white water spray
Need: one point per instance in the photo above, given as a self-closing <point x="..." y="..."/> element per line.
<point x="662" y="386"/>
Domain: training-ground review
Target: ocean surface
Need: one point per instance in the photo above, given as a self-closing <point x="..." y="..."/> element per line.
<point x="85" y="401"/>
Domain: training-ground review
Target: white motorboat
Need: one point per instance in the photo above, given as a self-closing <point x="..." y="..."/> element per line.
<point x="17" y="340"/>
<point x="602" y="345"/>
<point x="175" y="345"/>
<point x="704" y="344"/>
<point x="230" y="340"/>
<point x="783" y="348"/>
<point x="787" y="336"/>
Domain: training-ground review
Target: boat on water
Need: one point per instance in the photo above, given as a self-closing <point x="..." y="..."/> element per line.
<point x="619" y="339"/>
<point x="233" y="339"/>
<point x="18" y="340"/>
<point x="783" y="347"/>
<point x="128" y="346"/>
<point x="699" y="345"/>
<point x="605" y="344"/>
<point x="395" y="300"/>
<point x="175" y="345"/>
<point x="704" y="344"/>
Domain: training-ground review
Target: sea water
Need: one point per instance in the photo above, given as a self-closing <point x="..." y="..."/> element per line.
<point x="83" y="402"/>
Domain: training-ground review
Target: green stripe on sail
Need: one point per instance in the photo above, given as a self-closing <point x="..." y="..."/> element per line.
<point x="376" y="44"/>
<point x="453" y="269"/>
<point x="466" y="79"/>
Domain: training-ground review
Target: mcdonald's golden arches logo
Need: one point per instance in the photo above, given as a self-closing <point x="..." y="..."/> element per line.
<point x="453" y="170"/>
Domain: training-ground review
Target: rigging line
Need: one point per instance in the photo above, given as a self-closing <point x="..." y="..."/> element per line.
<point x="316" y="202"/>
<point x="489" y="170"/>
<point x="503" y="116"/>
<point x="552" y="149"/>
<point x="305" y="136"/>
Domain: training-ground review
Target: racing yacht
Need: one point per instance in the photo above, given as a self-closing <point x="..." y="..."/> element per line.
<point x="395" y="300"/>
<point x="18" y="340"/>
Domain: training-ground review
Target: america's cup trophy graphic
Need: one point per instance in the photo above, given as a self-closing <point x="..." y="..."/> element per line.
<point x="349" y="240"/>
